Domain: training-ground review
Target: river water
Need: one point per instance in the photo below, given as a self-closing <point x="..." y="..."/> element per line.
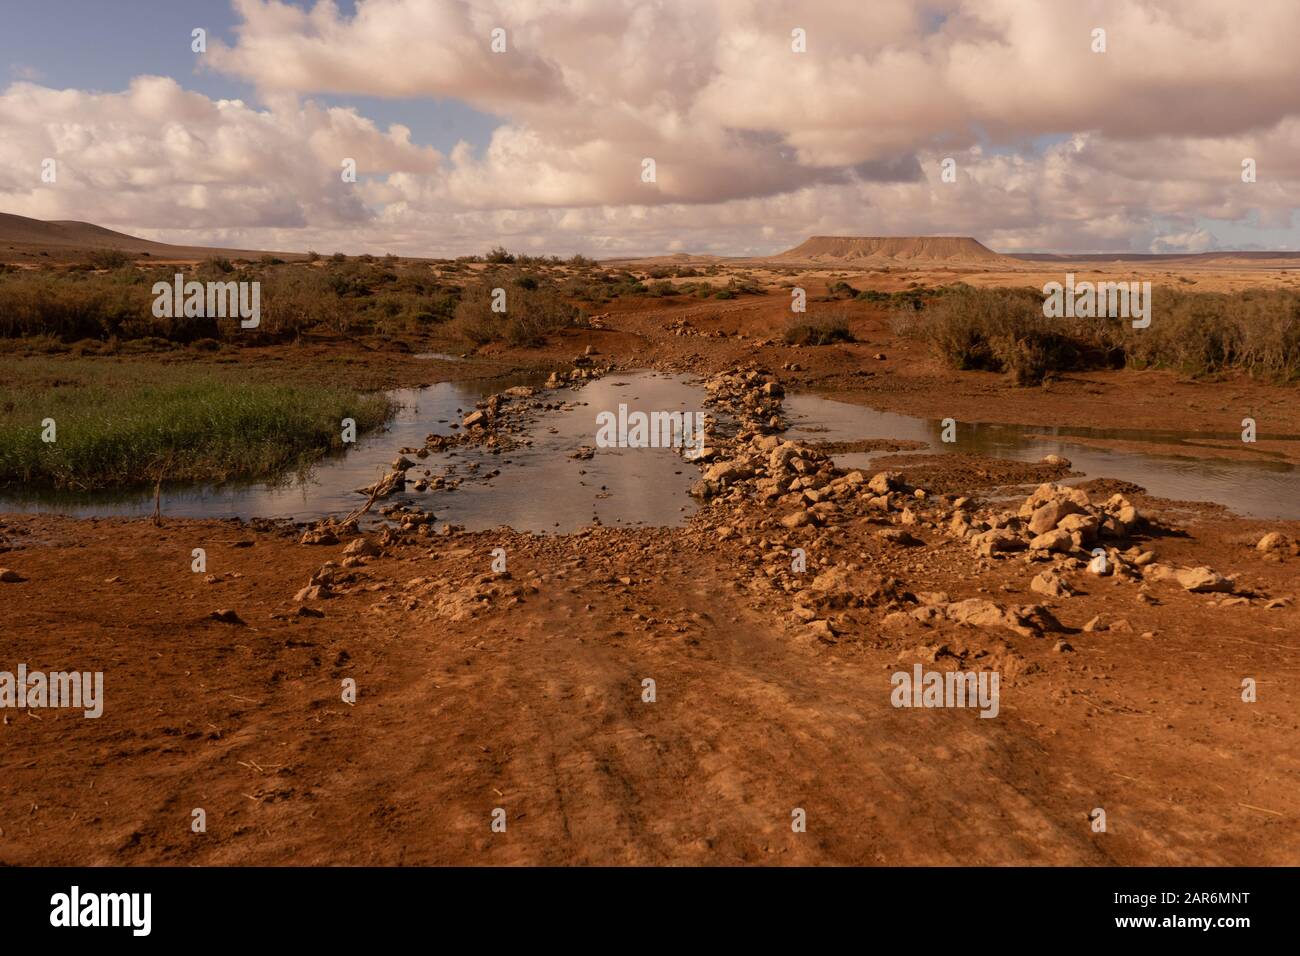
<point x="540" y="488"/>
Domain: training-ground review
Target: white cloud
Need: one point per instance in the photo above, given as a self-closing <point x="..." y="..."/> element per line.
<point x="755" y="145"/>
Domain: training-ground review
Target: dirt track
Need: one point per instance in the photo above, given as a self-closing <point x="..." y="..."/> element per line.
<point x="536" y="708"/>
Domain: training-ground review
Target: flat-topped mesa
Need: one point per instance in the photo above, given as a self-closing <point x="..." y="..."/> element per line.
<point x="952" y="249"/>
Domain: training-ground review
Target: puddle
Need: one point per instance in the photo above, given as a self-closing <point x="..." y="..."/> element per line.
<point x="540" y="488"/>
<point x="1254" y="488"/>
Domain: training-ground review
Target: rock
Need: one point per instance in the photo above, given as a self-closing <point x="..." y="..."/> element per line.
<point x="997" y="540"/>
<point x="473" y="418"/>
<point x="1062" y="647"/>
<point x="226" y="616"/>
<point x="798" y="519"/>
<point x="314" y="592"/>
<point x="821" y="630"/>
<point x="1085" y="525"/>
<point x="1050" y="491"/>
<point x="1047" y="516"/>
<point x="1203" y="580"/>
<point x="304" y="611"/>
<point x="1057" y="461"/>
<point x="1057" y="540"/>
<point x="1051" y="584"/>
<point x="362" y="547"/>
<point x="10" y="576"/>
<point x="1128" y="517"/>
<point x="900" y="537"/>
<point x="727" y="471"/>
<point x="318" y="536"/>
<point x="1273" y="541"/>
<point x="1095" y="624"/>
<point x="779" y="460"/>
<point x="401" y="463"/>
<point x="1028" y="620"/>
<point x="704" y="489"/>
<point x="883" y="482"/>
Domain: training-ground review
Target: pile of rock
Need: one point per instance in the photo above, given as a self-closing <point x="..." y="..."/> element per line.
<point x="752" y="395"/>
<point x="577" y="375"/>
<point x="1054" y="519"/>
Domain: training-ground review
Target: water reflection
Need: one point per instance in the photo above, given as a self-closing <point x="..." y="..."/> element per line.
<point x="1265" y="489"/>
<point x="540" y="488"/>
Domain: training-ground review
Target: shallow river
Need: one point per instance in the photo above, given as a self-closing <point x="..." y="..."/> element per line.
<point x="1265" y="489"/>
<point x="540" y="488"/>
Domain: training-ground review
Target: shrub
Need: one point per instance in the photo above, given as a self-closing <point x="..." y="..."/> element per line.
<point x="819" y="330"/>
<point x="110" y="258"/>
<point x="1256" y="331"/>
<point x="531" y="315"/>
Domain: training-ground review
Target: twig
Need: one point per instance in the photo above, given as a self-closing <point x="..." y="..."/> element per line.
<point x="374" y="496"/>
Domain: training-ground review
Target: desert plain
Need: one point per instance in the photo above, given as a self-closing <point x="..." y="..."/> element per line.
<point x="485" y="693"/>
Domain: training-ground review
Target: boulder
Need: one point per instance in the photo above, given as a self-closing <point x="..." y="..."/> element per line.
<point x="731" y="470"/>
<point x="1049" y="515"/>
<point x="362" y="547"/>
<point x="1273" y="541"/>
<point x="1084" y="525"/>
<point x="997" y="540"/>
<point x="1203" y="580"/>
<point x="883" y="482"/>
<point x="1051" y="584"/>
<point x="1057" y="540"/>
<point x="1050" y="491"/>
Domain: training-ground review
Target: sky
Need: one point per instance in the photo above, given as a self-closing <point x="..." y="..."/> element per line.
<point x="614" y="127"/>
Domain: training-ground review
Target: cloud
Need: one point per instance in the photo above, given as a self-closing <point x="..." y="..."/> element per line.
<point x="157" y="156"/>
<point x="754" y="145"/>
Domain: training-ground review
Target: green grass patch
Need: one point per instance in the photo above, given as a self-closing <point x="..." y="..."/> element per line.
<point x="120" y="423"/>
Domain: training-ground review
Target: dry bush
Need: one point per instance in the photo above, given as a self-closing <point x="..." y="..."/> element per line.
<point x="533" y="311"/>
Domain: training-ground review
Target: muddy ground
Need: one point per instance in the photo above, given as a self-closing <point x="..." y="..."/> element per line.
<point x="524" y="691"/>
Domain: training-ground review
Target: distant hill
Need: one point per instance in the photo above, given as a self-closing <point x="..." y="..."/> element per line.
<point x="893" y="250"/>
<point x="24" y="239"/>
